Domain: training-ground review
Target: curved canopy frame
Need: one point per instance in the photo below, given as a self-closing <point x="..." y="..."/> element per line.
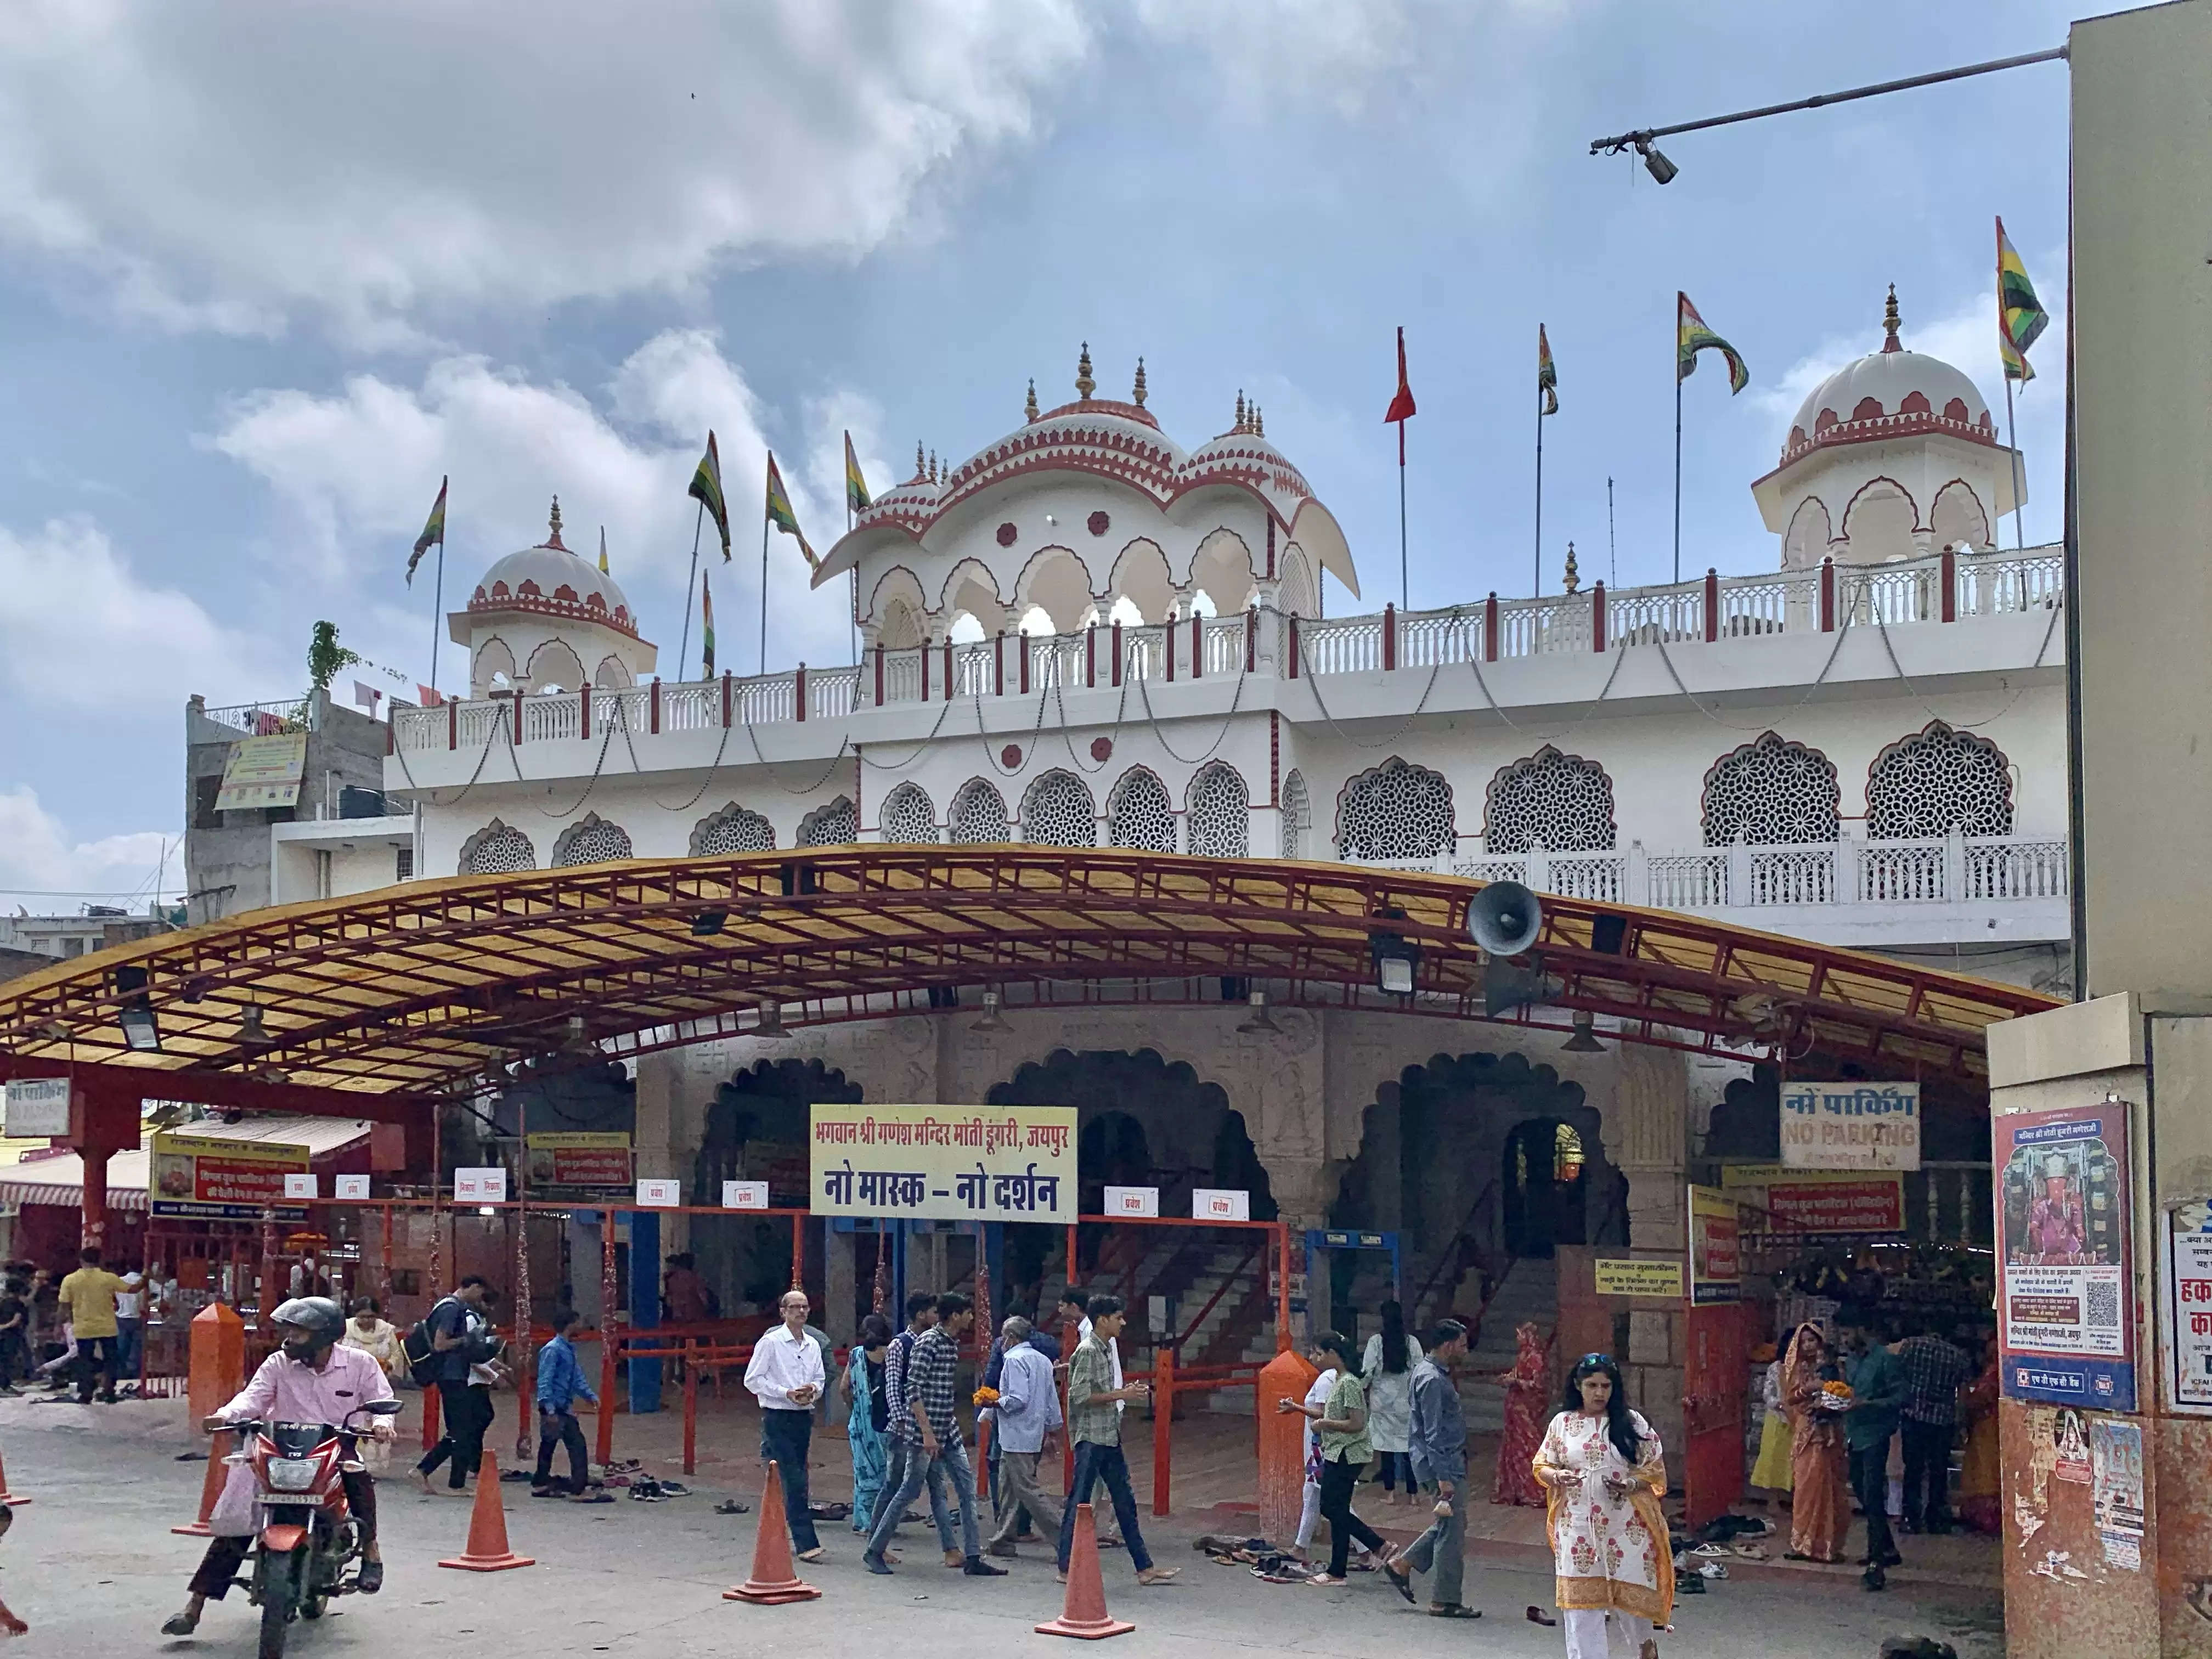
<point x="435" y="987"/>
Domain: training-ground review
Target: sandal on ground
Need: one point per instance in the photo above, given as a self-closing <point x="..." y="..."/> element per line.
<point x="1158" y="1575"/>
<point x="1454" y="1610"/>
<point x="730" y="1506"/>
<point x="1538" y="1616"/>
<point x="1323" y="1579"/>
<point x="592" y="1497"/>
<point x="1401" y="1582"/>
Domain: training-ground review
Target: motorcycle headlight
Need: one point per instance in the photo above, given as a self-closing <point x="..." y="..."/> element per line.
<point x="291" y="1473"/>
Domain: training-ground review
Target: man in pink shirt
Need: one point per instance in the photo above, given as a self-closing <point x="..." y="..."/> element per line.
<point x="310" y="1379"/>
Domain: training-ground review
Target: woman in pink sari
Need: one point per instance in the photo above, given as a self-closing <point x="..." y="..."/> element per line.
<point x="1527" y="1413"/>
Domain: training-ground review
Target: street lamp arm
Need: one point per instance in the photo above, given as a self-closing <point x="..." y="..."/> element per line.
<point x="1646" y="135"/>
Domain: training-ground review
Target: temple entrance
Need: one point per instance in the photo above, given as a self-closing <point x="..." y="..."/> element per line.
<point x="1545" y="1203"/>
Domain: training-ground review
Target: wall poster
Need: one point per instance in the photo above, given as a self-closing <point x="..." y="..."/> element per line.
<point x="2065" y="1321"/>
<point x="1716" y="1257"/>
<point x="2186" y="1320"/>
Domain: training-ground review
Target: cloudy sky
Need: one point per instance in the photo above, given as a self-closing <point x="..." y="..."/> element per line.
<point x="265" y="275"/>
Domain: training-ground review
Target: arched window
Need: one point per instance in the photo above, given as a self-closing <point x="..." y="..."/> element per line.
<point x="978" y="815"/>
<point x="1220" y="813"/>
<point x="1772" y="792"/>
<point x="831" y="826"/>
<point x="909" y="817"/>
<point x="497" y="849"/>
<point x="1937" y="780"/>
<point x="1560" y="802"/>
<point x="734" y="829"/>
<point x="1057" y="811"/>
<point x="1297" y="816"/>
<point x="1139" y="813"/>
<point x="594" y="841"/>
<point x="1395" y="812"/>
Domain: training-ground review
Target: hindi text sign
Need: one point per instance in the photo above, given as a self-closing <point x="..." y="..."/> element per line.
<point x="1133" y="1200"/>
<point x="944" y="1162"/>
<point x="1851" y="1126"/>
<point x="38" y="1106"/>
<point x="2188" y="1312"/>
<point x="1622" y="1276"/>
<point x="214" y="1179"/>
<point x="264" y="771"/>
<point x="1716" y="1255"/>
<point x="578" y="1160"/>
<point x="2065" y="1313"/>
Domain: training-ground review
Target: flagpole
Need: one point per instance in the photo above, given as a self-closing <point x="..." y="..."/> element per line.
<point x="852" y="610"/>
<point x="1405" y="601"/>
<point x="690" y="586"/>
<point x="763" y="631"/>
<point x="2012" y="441"/>
<point x="438" y="595"/>
<point x="1539" y="588"/>
<point x="1678" y="467"/>
<point x="1612" y="556"/>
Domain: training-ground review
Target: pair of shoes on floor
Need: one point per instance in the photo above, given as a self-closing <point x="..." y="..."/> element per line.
<point x="733" y="1506"/>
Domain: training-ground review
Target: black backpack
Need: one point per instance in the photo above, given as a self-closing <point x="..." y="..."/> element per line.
<point x="425" y="1362"/>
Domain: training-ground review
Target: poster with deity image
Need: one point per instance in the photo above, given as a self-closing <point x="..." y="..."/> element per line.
<point x="2065" y="1321"/>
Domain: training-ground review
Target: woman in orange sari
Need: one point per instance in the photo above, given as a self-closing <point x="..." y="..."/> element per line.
<point x="1821" y="1507"/>
<point x="1525" y="1421"/>
<point x="1979" y="1482"/>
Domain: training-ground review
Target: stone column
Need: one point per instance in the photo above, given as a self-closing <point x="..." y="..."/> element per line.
<point x="839" y="1287"/>
<point x="1647" y="1135"/>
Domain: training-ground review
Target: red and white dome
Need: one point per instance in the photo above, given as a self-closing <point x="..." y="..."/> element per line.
<point x="549" y="580"/>
<point x="1889" y="393"/>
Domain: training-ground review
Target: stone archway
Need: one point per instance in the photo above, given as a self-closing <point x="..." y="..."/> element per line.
<point x="756" y="1130"/>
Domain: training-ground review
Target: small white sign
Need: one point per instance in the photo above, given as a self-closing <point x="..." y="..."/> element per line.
<point x="1851" y="1126"/>
<point x="480" y="1186"/>
<point x="659" y="1194"/>
<point x="744" y="1194"/>
<point x="38" y="1106"/>
<point x="1220" y="1203"/>
<point x="351" y="1186"/>
<point x="302" y="1186"/>
<point x="1133" y="1200"/>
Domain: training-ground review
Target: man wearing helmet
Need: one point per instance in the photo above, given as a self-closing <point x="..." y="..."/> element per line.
<point x="309" y="1379"/>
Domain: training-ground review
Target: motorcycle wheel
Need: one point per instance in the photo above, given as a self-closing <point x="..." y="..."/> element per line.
<point x="279" y="1576"/>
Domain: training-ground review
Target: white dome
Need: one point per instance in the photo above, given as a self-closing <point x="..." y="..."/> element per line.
<point x="552" y="580"/>
<point x="1885" y="386"/>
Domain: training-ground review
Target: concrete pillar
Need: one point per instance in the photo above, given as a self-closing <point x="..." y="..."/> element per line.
<point x="839" y="1288"/>
<point x="1647" y="1137"/>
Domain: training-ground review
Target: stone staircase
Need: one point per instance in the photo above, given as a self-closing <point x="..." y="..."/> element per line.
<point x="1530" y="1291"/>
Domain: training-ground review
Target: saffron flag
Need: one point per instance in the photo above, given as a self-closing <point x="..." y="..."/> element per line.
<point x="706" y="626"/>
<point x="1691" y="336"/>
<point x="1547" y="376"/>
<point x="1401" y="406"/>
<point x="707" y="491"/>
<point x="856" y="487"/>
<point x="433" y="533"/>
<point x="428" y="696"/>
<point x="2021" y="316"/>
<point x="780" y="515"/>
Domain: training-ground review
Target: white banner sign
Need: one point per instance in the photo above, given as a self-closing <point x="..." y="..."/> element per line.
<point x="480" y="1186"/>
<point x="1220" y="1203"/>
<point x="302" y="1186"/>
<point x="355" y="1186"/>
<point x="1851" y="1126"/>
<point x="38" y="1106"/>
<point x="1133" y="1200"/>
<point x="944" y="1162"/>
<point x="2189" y="1308"/>
<point x="744" y="1194"/>
<point x="659" y="1194"/>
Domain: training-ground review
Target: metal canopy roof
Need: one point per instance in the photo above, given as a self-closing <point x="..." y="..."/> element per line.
<point x="432" y="988"/>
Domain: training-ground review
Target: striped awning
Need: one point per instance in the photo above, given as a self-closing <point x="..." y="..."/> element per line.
<point x="59" y="1179"/>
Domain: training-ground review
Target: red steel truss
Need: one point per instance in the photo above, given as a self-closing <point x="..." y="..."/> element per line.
<point x="432" y="988"/>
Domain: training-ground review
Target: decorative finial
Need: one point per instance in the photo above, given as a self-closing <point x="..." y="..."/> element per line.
<point x="1085" y="386"/>
<point x="1259" y="422"/>
<point x="921" y="471"/>
<point x="1574" y="577"/>
<point x="553" y="534"/>
<point x="1889" y="322"/>
<point x="1239" y="427"/>
<point x="1138" y="394"/>
<point x="1030" y="408"/>
<point x="602" y="551"/>
<point x="933" y="466"/>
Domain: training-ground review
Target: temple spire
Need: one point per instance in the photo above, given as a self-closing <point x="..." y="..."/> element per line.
<point x="1574" y="577"/>
<point x="553" y="532"/>
<point x="1030" y="408"/>
<point x="1085" y="386"/>
<point x="1137" y="392"/>
<point x="1889" y="321"/>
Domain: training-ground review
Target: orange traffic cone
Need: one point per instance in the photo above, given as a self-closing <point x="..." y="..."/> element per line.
<point x="6" y="1497"/>
<point x="1084" y="1612"/>
<point x="775" y="1580"/>
<point x="218" y="1473"/>
<point x="488" y="1551"/>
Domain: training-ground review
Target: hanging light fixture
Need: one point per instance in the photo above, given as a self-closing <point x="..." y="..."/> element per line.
<point x="771" y="1021"/>
<point x="991" y="1022"/>
<point x="251" y="1030"/>
<point x="1259" y="1019"/>
<point x="1661" y="170"/>
<point x="1584" y="1041"/>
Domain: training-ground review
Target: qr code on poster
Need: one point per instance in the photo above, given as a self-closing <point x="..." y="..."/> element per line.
<point x="2102" y="1310"/>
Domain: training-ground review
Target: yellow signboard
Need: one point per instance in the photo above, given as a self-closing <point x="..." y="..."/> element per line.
<point x="213" y="1178"/>
<point x="1618" y="1276"/>
<point x="944" y="1162"/>
<point x="264" y="772"/>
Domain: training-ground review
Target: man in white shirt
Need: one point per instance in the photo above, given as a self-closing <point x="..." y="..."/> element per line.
<point x="130" y="1324"/>
<point x="1027" y="1413"/>
<point x="786" y="1375"/>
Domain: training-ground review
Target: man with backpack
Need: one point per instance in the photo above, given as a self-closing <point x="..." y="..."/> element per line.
<point x="451" y="1350"/>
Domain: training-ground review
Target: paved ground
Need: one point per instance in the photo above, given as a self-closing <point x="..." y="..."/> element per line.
<point x="93" y="1567"/>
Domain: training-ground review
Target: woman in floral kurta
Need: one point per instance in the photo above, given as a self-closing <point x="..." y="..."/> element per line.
<point x="1615" y="1574"/>
<point x="1515" y="1483"/>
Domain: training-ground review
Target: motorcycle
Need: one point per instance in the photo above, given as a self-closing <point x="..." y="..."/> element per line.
<point x="308" y="1539"/>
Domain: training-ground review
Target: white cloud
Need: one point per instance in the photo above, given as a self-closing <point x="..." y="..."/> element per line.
<point x="40" y="861"/>
<point x="383" y="162"/>
<point x="79" y="628"/>
<point x="356" y="469"/>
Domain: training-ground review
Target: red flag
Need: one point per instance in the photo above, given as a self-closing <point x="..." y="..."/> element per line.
<point x="428" y="696"/>
<point x="1401" y="406"/>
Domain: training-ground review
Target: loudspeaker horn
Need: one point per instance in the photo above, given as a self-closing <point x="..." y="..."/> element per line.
<point x="1504" y="918"/>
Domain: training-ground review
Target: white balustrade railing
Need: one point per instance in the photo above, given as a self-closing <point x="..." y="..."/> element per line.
<point x="1716" y="608"/>
<point x="1688" y="881"/>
